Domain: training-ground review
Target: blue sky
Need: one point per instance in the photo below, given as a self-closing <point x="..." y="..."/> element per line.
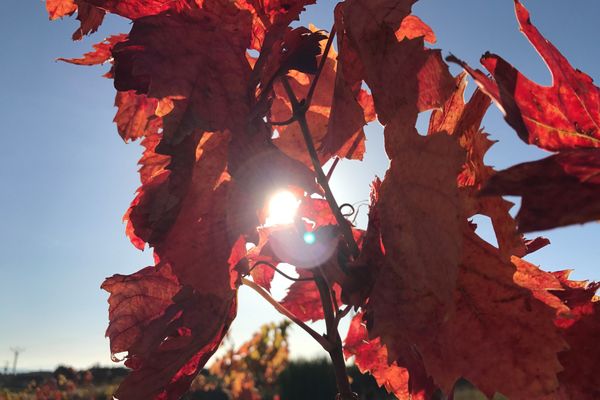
<point x="67" y="177"/>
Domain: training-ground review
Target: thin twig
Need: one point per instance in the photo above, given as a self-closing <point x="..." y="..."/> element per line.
<point x="263" y="293"/>
<point x="330" y="172"/>
<point x="281" y="123"/>
<point x="279" y="272"/>
<point x="332" y="294"/>
<point x="342" y="313"/>
<point x="324" y="56"/>
<point x="300" y="113"/>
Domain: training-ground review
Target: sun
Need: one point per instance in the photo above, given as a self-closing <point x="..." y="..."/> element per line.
<point x="282" y="208"/>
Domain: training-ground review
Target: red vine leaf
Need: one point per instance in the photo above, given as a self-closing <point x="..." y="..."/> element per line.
<point x="413" y="27"/>
<point x="100" y="54"/>
<point x="90" y="19"/>
<point x="197" y="244"/>
<point x="542" y="285"/>
<point x="351" y="106"/>
<point x="176" y="58"/>
<point x="370" y="356"/>
<point x="175" y="346"/>
<point x="151" y="163"/>
<point x="580" y="380"/>
<point x="158" y="200"/>
<point x="89" y="16"/>
<point x="300" y="49"/>
<point x="463" y="120"/>
<point x="303" y="299"/>
<point x="570" y="178"/>
<point x="134" y="9"/>
<point x="316" y="210"/>
<point x="418" y="205"/>
<point x="562" y="116"/>
<point x="403" y="76"/>
<point x="500" y="338"/>
<point x="60" y="8"/>
<point x="419" y="211"/>
<point x="578" y="316"/>
<point x="136" y="300"/>
<point x="136" y="116"/>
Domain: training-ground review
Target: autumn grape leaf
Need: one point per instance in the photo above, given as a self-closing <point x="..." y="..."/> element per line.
<point x="418" y="203"/>
<point x="370" y="356"/>
<point x="317" y="211"/>
<point x="60" y="8"/>
<point x="151" y="163"/>
<point x="402" y="75"/>
<point x="413" y="27"/>
<point x="300" y="48"/>
<point x="136" y="116"/>
<point x="420" y="211"/>
<point x="90" y="18"/>
<point x="570" y="178"/>
<point x="176" y="345"/>
<point x="351" y="106"/>
<point x="500" y="338"/>
<point x="577" y="315"/>
<point x="463" y="120"/>
<point x="261" y="260"/>
<point x="191" y="247"/>
<point x="102" y="52"/>
<point x="199" y="62"/>
<point x="134" y="9"/>
<point x="158" y="201"/>
<point x="204" y="306"/>
<point x="542" y="285"/>
<point x="136" y="300"/>
<point x="579" y="379"/>
<point x="562" y="116"/>
<point x="303" y="299"/>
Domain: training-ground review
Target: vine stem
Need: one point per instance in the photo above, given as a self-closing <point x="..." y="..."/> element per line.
<point x="331" y="312"/>
<point x="265" y="295"/>
<point x="299" y="109"/>
<point x="335" y="352"/>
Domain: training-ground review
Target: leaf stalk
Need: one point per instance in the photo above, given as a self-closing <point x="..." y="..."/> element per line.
<point x="279" y="307"/>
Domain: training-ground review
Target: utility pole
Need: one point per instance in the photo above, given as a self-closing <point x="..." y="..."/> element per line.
<point x="16" y="351"/>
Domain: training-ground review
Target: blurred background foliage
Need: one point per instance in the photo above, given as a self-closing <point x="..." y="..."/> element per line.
<point x="259" y="369"/>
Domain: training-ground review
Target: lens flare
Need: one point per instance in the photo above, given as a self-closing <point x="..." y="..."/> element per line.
<point x="282" y="208"/>
<point x="309" y="238"/>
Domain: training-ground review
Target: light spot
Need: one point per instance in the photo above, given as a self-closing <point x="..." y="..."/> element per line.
<point x="282" y="208"/>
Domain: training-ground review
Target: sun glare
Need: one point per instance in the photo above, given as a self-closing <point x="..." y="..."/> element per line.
<point x="282" y="208"/>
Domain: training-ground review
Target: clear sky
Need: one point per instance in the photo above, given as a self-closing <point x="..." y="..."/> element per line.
<point x="67" y="177"/>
